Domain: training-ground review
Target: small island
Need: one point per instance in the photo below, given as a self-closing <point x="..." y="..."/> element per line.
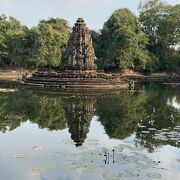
<point x="79" y="70"/>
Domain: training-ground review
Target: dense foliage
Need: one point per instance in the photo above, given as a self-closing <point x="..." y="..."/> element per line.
<point x="40" y="46"/>
<point x="161" y="22"/>
<point x="13" y="41"/>
<point x="146" y="43"/>
<point x="123" y="45"/>
<point x="51" y="37"/>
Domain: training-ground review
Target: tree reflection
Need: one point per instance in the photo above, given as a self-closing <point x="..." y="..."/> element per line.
<point x="46" y="111"/>
<point x="162" y="113"/>
<point x="155" y="107"/>
<point x="121" y="115"/>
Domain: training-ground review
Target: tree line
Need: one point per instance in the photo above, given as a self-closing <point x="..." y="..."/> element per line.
<point x="40" y="46"/>
<point x="147" y="43"/>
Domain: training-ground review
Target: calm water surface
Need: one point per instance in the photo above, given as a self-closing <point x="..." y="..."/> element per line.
<point x="125" y="135"/>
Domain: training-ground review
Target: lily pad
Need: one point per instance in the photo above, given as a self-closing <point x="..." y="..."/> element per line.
<point x="38" y="148"/>
<point x="130" y="173"/>
<point x="154" y="175"/>
<point x="18" y="156"/>
<point x="141" y="126"/>
<point x="145" y="132"/>
<point x="173" y="139"/>
<point x="176" y="128"/>
<point x="111" y="176"/>
<point x="152" y="129"/>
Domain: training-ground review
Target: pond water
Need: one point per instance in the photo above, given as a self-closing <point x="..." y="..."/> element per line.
<point x="107" y="135"/>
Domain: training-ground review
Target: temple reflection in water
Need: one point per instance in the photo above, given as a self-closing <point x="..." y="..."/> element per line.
<point x="120" y="115"/>
<point x="79" y="114"/>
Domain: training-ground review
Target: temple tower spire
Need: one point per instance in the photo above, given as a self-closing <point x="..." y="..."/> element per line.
<point x="79" y="53"/>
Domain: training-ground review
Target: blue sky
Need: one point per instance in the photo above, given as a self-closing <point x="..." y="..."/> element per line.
<point x="95" y="12"/>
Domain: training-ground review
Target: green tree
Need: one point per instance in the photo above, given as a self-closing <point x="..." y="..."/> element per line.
<point x="30" y="47"/>
<point x="123" y="45"/>
<point x="51" y="37"/>
<point x="161" y="22"/>
<point x="3" y="46"/>
<point x="40" y="46"/>
<point x="96" y="44"/>
<point x="15" y="39"/>
<point x="13" y="48"/>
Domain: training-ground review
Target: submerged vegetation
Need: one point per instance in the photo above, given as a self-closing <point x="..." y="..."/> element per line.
<point x="145" y="43"/>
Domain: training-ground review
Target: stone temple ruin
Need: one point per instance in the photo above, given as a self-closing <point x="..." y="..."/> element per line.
<point x="79" y="70"/>
<point x="80" y="52"/>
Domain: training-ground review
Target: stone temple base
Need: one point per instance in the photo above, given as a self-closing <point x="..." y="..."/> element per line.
<point x="76" y="80"/>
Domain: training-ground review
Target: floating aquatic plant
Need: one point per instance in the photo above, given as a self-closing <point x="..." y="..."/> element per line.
<point x="111" y="176"/>
<point x="131" y="172"/>
<point x="18" y="155"/>
<point x="152" y="129"/>
<point x="43" y="169"/>
<point x="141" y="126"/>
<point x="38" y="148"/>
<point x="145" y="132"/>
<point x="154" y="175"/>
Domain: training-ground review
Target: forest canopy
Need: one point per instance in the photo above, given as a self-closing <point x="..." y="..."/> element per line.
<point x="148" y="42"/>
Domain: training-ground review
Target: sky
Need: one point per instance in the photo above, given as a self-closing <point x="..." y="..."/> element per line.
<point x="95" y="12"/>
